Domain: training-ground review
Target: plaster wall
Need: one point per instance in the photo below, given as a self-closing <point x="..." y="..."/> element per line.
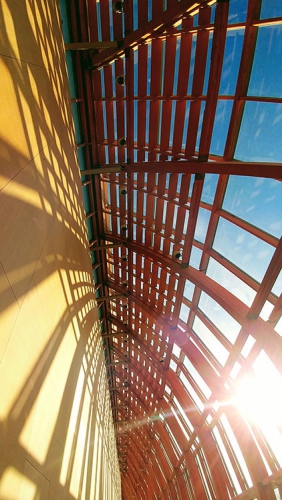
<point x="56" y="432"/>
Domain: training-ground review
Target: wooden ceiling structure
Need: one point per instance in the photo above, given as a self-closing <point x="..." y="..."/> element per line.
<point x="184" y="317"/>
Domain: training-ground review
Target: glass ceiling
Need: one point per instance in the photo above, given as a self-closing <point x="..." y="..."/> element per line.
<point x="189" y="199"/>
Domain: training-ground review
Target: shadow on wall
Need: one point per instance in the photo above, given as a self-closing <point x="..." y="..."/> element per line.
<point x="56" y="433"/>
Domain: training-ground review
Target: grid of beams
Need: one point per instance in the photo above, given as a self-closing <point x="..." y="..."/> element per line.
<point x="196" y="309"/>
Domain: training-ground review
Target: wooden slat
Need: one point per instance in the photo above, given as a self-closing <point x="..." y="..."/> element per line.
<point x="105" y="21"/>
<point x="170" y="50"/>
<point x="198" y="82"/>
<point x="218" y="45"/>
<point x="165" y="125"/>
<point x="243" y="78"/>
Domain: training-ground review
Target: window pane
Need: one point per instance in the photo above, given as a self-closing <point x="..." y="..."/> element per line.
<point x="243" y="249"/>
<point x="260" y="133"/>
<point x="197" y="377"/>
<point x="219" y="317"/>
<point x="221" y="125"/>
<point x="188" y="290"/>
<point x="211" y="342"/>
<point x="231" y="61"/>
<point x="252" y="198"/>
<point x="267" y="66"/>
<point x="202" y="225"/>
<point x="230" y="282"/>
<point x="237" y="11"/>
<point x="209" y="188"/>
<point x="271" y="9"/>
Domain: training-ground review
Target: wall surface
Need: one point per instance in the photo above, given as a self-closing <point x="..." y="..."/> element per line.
<point x="56" y="432"/>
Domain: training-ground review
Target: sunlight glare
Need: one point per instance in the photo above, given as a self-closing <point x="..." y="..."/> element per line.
<point x="257" y="395"/>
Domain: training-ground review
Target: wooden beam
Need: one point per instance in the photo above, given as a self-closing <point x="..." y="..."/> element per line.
<point x="267" y="283"/>
<point x="249" y="169"/>
<point x="106" y="247"/>
<point x="158" y="24"/>
<point x="110" y="365"/>
<point x="220" y="27"/>
<point x="245" y="69"/>
<point x="110" y="297"/>
<point x="113" y="334"/>
<point x="91" y="45"/>
<point x="102" y="170"/>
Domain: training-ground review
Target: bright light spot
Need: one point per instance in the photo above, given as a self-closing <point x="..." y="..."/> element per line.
<point x="257" y="398"/>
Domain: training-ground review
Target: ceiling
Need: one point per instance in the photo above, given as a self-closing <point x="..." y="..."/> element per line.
<point x="183" y="209"/>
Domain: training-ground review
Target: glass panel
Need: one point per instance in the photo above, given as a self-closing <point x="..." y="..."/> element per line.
<point x="185" y="128"/>
<point x="266" y="310"/>
<point x="184" y="313"/>
<point x="188" y="290"/>
<point x="219" y="317"/>
<point x="260" y="133"/>
<point x="248" y="346"/>
<point x="230" y="282"/>
<point x="208" y="63"/>
<point x="267" y="66"/>
<point x="192" y="65"/>
<point x="243" y="249"/>
<point x="182" y="412"/>
<point x="197" y="377"/>
<point x="192" y="392"/>
<point x="211" y="342"/>
<point x="202" y="225"/>
<point x="195" y="257"/>
<point x="203" y="105"/>
<point x="252" y="198"/>
<point x="173" y="365"/>
<point x="176" y="350"/>
<point x="221" y="125"/>
<point x="204" y="477"/>
<point x="271" y="9"/>
<point x="180" y="424"/>
<point x="277" y="287"/>
<point x="226" y="460"/>
<point x="176" y="65"/>
<point x="209" y="188"/>
<point x="231" y="61"/>
<point x="235" y="370"/>
<point x="237" y="11"/>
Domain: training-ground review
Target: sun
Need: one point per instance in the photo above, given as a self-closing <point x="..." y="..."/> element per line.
<point x="258" y="396"/>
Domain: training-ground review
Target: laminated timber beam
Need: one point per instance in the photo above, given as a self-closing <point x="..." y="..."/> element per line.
<point x="154" y="476"/>
<point x="110" y="365"/>
<point x="157" y="457"/>
<point x="245" y="69"/>
<point x="236" y="308"/>
<point x="161" y="463"/>
<point x="217" y="204"/>
<point x="170" y="419"/>
<point x="201" y="53"/>
<point x="250" y="169"/>
<point x="108" y="298"/>
<point x="267" y="283"/>
<point x="193" y="215"/>
<point x="220" y="29"/>
<point x="106" y="247"/>
<point x="158" y="24"/>
<point x="113" y="334"/>
<point x="91" y="45"/>
<point x="109" y="169"/>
